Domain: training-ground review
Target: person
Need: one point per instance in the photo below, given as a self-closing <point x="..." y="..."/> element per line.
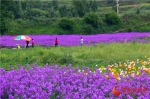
<point x="81" y="41"/>
<point x="56" y="42"/>
<point x="27" y="43"/>
<point x="18" y="46"/>
<point x="32" y="43"/>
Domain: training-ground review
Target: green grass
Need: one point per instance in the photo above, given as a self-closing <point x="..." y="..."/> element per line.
<point x="102" y="55"/>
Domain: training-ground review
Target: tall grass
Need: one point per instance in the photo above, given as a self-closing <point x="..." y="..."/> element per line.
<point x="101" y="55"/>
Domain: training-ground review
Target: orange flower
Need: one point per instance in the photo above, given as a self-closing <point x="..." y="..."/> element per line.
<point x="128" y="69"/>
<point x="109" y="67"/>
<point x="121" y="66"/>
<point x="115" y="75"/>
<point x="146" y="70"/>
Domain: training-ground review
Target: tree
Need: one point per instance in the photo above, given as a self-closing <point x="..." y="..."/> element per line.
<point x="6" y="16"/>
<point x="80" y="6"/>
<point x="15" y="7"/>
<point x="67" y="24"/>
<point x="94" y="6"/>
<point x="55" y="4"/>
<point x="112" y="18"/>
<point x="63" y="10"/>
<point x="92" y="19"/>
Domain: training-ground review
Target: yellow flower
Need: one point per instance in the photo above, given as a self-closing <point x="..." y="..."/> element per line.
<point x="102" y="67"/>
<point x="113" y="70"/>
<point x="129" y="72"/>
<point x="133" y="68"/>
<point x="141" y="61"/>
<point x="107" y="76"/>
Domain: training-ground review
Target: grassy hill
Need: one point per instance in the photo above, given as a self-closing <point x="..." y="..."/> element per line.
<point x="134" y="15"/>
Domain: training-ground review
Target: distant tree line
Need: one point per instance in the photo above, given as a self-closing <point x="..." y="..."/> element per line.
<point x="33" y="9"/>
<point x="37" y="10"/>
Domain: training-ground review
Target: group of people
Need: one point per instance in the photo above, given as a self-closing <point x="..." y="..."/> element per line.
<point x="27" y="43"/>
<point x="56" y="42"/>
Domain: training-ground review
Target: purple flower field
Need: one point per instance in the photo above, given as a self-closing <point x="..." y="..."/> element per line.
<point x="54" y="82"/>
<point x="74" y="40"/>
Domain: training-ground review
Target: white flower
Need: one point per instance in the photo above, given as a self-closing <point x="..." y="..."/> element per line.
<point x="112" y="73"/>
<point x="132" y="75"/>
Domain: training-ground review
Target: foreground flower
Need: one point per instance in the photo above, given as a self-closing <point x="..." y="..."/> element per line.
<point x="64" y="82"/>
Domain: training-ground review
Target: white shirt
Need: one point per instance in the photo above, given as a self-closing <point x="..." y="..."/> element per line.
<point x="81" y="41"/>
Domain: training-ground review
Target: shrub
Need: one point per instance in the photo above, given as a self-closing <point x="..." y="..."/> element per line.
<point x="138" y="11"/>
<point x="112" y="18"/>
<point x="92" y="19"/>
<point x="88" y="29"/>
<point x="130" y="29"/>
<point x="67" y="24"/>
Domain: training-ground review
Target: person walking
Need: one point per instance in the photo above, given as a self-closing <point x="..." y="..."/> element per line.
<point x="32" y="43"/>
<point x="56" y="42"/>
<point x="81" y="41"/>
<point x="27" y="43"/>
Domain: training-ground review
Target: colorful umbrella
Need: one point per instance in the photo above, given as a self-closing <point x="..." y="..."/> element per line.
<point x="22" y="37"/>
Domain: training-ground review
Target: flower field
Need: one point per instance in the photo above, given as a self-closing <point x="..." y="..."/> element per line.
<point x="129" y="80"/>
<point x="74" y="40"/>
<point x="119" y="70"/>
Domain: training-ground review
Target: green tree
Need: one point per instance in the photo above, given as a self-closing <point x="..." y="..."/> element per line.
<point x="35" y="12"/>
<point x="73" y="12"/>
<point x="67" y="24"/>
<point x="80" y="6"/>
<point x="92" y="19"/>
<point x="15" y="7"/>
<point x="55" y="4"/>
<point x="5" y="16"/>
<point x="112" y="18"/>
<point x="94" y="6"/>
<point x="63" y="10"/>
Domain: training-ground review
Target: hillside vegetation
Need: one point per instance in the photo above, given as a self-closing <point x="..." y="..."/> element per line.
<point x="73" y="16"/>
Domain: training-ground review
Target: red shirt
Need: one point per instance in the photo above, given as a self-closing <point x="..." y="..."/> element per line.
<point x="56" y="41"/>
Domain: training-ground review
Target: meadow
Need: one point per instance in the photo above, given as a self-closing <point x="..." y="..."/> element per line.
<point x="100" y="69"/>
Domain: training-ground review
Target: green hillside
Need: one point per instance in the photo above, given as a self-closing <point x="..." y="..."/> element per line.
<point x="45" y="16"/>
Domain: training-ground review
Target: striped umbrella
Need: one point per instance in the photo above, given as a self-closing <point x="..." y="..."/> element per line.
<point x="22" y="37"/>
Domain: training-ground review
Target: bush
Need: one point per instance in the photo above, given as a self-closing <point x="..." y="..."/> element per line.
<point x="112" y="18"/>
<point x="138" y="11"/>
<point x="88" y="29"/>
<point x="67" y="24"/>
<point x="130" y="29"/>
<point x="92" y="19"/>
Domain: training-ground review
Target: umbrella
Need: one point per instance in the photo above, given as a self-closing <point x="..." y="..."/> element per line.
<point x="22" y="37"/>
